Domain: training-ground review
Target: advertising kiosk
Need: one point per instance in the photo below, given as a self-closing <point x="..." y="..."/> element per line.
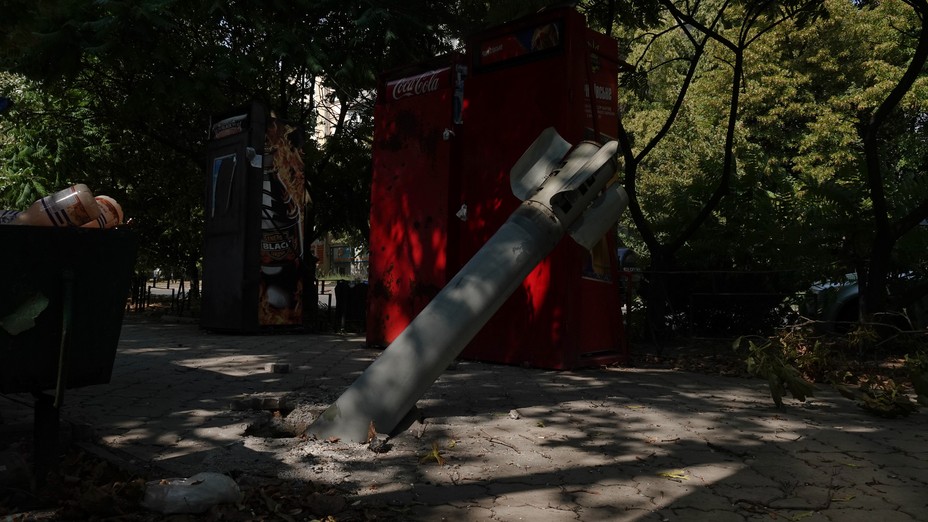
<point x="447" y="133"/>
<point x="254" y="242"/>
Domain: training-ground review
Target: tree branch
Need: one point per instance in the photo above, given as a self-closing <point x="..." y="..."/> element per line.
<point x="878" y="119"/>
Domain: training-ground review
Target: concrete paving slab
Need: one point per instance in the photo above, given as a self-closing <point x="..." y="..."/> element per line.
<point x="502" y="442"/>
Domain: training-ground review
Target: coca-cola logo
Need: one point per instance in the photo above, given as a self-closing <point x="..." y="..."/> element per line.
<point x="416" y="85"/>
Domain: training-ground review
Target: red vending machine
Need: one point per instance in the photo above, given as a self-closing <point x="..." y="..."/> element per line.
<point x="549" y="70"/>
<point x="414" y="193"/>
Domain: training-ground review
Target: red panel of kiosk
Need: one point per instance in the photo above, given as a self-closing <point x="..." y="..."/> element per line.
<point x="521" y="78"/>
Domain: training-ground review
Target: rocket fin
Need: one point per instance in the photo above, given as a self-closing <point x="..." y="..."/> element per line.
<point x="543" y="156"/>
<point x="582" y="177"/>
<point x="603" y="213"/>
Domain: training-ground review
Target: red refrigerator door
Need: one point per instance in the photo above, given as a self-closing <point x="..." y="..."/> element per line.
<point x="411" y="189"/>
<point x="527" y="76"/>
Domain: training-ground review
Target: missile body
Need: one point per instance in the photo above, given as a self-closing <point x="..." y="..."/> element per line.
<point x="558" y="191"/>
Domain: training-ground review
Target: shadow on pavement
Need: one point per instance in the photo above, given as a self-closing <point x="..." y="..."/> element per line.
<point x="508" y="443"/>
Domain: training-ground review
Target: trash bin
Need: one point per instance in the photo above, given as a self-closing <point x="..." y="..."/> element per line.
<point x="84" y="274"/>
<point x="351" y="305"/>
<point x="64" y="295"/>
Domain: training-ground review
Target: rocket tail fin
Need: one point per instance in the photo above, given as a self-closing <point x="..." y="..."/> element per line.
<point x="600" y="217"/>
<point x="537" y="162"/>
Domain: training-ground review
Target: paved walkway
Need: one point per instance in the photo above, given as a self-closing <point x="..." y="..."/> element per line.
<point x="514" y="443"/>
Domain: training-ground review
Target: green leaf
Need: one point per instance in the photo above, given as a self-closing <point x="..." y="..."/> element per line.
<point x="776" y="390"/>
<point x="675" y="474"/>
<point x="920" y="384"/>
<point x="23" y="318"/>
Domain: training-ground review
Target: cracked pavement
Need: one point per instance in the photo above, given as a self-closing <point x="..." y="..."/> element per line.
<point x="507" y="443"/>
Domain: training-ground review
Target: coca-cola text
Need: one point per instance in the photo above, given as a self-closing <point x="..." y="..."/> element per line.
<point x="416" y="85"/>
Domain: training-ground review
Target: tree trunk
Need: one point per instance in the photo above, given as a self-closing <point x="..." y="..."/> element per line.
<point x="194" y="274"/>
<point x="872" y="275"/>
<point x="657" y="294"/>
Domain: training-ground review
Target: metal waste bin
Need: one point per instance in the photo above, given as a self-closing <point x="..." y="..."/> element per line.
<point x="84" y="275"/>
<point x="64" y="293"/>
<point x="351" y="305"/>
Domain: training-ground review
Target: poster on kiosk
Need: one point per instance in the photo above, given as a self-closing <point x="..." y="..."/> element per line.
<point x="254" y="241"/>
<point x="440" y="188"/>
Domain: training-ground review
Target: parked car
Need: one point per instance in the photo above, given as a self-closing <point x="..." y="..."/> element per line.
<point x="833" y="302"/>
<point x="837" y="304"/>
